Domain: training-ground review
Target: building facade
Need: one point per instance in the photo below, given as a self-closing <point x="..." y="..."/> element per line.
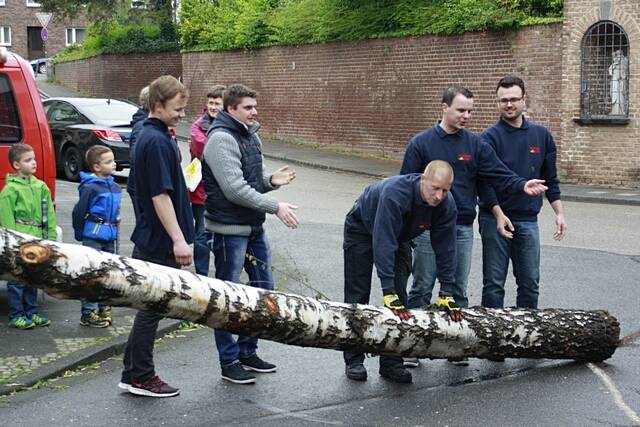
<point x="600" y="94"/>
<point x="21" y="31"/>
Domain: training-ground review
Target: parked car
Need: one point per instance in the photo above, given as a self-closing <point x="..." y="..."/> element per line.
<point x="40" y="65"/>
<point x="22" y="119"/>
<point x="79" y="123"/>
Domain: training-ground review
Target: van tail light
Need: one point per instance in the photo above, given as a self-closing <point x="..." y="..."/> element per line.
<point x="107" y="134"/>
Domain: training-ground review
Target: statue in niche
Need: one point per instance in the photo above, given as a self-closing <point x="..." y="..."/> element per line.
<point x="619" y="71"/>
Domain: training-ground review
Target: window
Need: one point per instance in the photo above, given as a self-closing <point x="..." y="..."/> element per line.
<point x="5" y="36"/>
<point x="76" y="35"/>
<point x="604" y="74"/>
<point x="2" y="3"/>
<point x="138" y="4"/>
<point x="63" y="113"/>
<point x="31" y="3"/>
<point x="10" y="129"/>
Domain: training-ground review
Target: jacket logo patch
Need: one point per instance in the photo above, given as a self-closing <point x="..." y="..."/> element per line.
<point x="425" y="226"/>
<point x="534" y="150"/>
<point x="464" y="157"/>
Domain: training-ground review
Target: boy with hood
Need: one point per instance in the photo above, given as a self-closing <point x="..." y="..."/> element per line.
<point x="26" y="207"/>
<point x="95" y="220"/>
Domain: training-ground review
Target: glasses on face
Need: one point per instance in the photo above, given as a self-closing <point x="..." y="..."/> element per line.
<point x="507" y="101"/>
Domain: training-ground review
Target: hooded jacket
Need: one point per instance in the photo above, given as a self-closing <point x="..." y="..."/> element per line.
<point x="197" y="142"/>
<point x="22" y="204"/>
<point x="95" y="216"/>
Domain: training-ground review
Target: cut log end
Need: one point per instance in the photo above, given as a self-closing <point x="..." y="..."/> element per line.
<point x="34" y="253"/>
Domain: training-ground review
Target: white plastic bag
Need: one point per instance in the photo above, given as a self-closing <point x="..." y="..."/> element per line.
<point x="193" y="174"/>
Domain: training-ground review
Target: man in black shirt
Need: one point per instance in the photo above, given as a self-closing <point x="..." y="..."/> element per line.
<point x="164" y="229"/>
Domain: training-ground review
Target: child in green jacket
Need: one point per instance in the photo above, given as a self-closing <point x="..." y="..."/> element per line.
<point x="26" y="206"/>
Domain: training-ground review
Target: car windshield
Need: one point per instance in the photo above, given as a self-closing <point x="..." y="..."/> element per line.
<point x="115" y="112"/>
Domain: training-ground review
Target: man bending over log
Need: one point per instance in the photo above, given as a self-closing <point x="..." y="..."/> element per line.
<point x="385" y="215"/>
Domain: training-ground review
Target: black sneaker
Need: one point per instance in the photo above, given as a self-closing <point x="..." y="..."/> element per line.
<point x="236" y="374"/>
<point x="397" y="374"/>
<point x="93" y="320"/>
<point x="356" y="372"/>
<point x="152" y="387"/>
<point x="254" y="363"/>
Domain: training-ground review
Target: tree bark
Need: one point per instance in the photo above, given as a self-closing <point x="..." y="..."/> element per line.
<point x="69" y="271"/>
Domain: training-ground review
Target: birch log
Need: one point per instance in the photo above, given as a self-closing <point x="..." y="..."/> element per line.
<point x="70" y="271"/>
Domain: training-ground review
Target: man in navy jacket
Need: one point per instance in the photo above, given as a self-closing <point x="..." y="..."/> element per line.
<point x="471" y="158"/>
<point x="509" y="223"/>
<point x="385" y="215"/>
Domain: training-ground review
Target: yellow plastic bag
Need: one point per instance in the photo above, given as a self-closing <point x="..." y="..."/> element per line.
<point x="193" y="174"/>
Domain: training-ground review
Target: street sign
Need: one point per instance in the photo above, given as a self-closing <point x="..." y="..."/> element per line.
<point x="43" y="18"/>
<point x="44" y="34"/>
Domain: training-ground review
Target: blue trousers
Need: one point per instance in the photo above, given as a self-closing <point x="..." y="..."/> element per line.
<point x="200" y="247"/>
<point x="22" y="300"/>
<point x="424" y="268"/>
<point x="230" y="257"/>
<point x="523" y="251"/>
<point x="103" y="246"/>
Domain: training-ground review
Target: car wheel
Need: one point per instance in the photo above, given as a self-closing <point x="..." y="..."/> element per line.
<point x="42" y="69"/>
<point x="72" y="163"/>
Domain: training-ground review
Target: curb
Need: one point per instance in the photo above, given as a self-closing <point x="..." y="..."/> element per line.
<point x="321" y="166"/>
<point x="79" y="358"/>
<point x="601" y="200"/>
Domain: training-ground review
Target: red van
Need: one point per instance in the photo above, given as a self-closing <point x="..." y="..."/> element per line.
<point x="22" y="118"/>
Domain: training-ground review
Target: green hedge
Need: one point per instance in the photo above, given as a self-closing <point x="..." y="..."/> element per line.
<point x="228" y="24"/>
<point x="112" y="38"/>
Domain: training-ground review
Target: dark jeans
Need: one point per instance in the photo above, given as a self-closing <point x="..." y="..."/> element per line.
<point x="230" y="258"/>
<point x="22" y="300"/>
<point x="200" y="247"/>
<point x="138" y="355"/>
<point x="103" y="246"/>
<point x="358" y="267"/>
<point x="523" y="251"/>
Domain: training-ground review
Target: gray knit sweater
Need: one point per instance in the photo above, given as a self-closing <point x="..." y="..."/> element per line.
<point x="223" y="156"/>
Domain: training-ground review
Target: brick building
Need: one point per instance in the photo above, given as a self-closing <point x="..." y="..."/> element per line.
<point x="20" y="30"/>
<point x="600" y="95"/>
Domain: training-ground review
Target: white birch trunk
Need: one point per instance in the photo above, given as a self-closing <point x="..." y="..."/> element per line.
<point x="69" y="271"/>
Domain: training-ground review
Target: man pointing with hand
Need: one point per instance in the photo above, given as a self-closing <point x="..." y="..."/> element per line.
<point x="236" y="206"/>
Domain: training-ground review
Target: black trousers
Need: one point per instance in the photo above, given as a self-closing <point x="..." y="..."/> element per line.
<point x="138" y="355"/>
<point x="358" y="267"/>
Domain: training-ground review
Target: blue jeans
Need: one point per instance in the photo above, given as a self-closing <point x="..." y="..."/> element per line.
<point x="425" y="270"/>
<point x="524" y="252"/>
<point x="22" y="300"/>
<point x="200" y="248"/>
<point x="87" y="307"/>
<point x="230" y="258"/>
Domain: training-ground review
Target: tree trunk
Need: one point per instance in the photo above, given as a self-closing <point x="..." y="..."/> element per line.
<point x="77" y="272"/>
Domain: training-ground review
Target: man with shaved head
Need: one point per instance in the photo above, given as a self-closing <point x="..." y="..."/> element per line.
<point x="386" y="214"/>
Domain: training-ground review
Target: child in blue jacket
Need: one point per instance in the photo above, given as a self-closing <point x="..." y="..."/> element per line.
<point x="95" y="220"/>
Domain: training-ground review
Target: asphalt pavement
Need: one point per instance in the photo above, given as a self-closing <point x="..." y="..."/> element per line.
<point x="27" y="357"/>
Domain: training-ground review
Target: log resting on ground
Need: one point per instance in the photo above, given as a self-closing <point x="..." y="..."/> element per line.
<point x="70" y="271"/>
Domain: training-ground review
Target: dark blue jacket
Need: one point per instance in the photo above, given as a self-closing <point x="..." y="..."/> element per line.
<point x="218" y="208"/>
<point x="470" y="158"/>
<point x="530" y="152"/>
<point x="96" y="214"/>
<point x="392" y="211"/>
<point x="157" y="171"/>
<point x="136" y="126"/>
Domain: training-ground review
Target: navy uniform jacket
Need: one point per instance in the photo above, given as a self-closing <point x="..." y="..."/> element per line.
<point x="392" y="211"/>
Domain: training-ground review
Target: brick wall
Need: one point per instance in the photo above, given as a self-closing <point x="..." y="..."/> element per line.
<point x="599" y="154"/>
<point x="372" y="96"/>
<point x="18" y="16"/>
<point x="117" y="76"/>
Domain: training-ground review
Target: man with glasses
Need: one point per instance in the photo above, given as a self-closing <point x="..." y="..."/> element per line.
<point x="508" y="222"/>
<point x="471" y="158"/>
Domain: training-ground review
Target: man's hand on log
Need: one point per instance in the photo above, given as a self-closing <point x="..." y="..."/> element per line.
<point x="393" y="303"/>
<point x="448" y="303"/>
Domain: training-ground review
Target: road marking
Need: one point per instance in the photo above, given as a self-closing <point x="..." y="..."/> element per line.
<point x="278" y="412"/>
<point x="615" y="393"/>
<point x="629" y="339"/>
